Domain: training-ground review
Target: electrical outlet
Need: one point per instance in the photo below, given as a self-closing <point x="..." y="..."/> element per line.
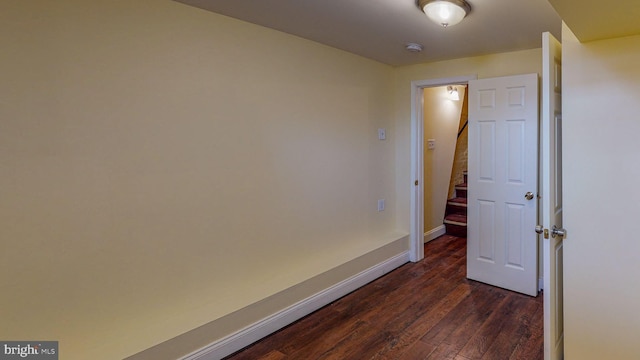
<point x="381" y="205"/>
<point x="431" y="144"/>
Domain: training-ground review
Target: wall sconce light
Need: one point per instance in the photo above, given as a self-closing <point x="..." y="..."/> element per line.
<point x="445" y="12"/>
<point x="453" y="93"/>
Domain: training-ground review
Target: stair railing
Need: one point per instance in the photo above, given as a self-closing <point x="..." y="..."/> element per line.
<point x="461" y="130"/>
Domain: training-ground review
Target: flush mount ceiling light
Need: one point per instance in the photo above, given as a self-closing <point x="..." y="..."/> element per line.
<point x="413" y="47"/>
<point x="445" y="12"/>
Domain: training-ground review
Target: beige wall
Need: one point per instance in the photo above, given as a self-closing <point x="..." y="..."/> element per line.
<point x="441" y="120"/>
<point x="601" y="173"/>
<point x="460" y="158"/>
<point x="504" y="64"/>
<point x="163" y="166"/>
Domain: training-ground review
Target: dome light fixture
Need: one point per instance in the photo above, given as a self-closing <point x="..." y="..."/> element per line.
<point x="414" y="47"/>
<point x="445" y="12"/>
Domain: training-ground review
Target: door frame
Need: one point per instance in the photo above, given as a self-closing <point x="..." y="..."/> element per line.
<point x="550" y="103"/>
<point x="416" y="233"/>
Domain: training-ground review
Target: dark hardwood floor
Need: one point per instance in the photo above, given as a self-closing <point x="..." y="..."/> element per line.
<point x="424" y="310"/>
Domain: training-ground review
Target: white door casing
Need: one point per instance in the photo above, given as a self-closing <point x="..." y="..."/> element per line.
<point x="416" y="238"/>
<point x="503" y="167"/>
<point x="551" y="196"/>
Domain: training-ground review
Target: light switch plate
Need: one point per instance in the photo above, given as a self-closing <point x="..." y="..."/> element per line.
<point x="382" y="134"/>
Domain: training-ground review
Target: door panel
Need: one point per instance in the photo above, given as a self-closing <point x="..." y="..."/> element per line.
<point x="487" y="227"/>
<point x="503" y="145"/>
<point x="487" y="150"/>
<point x="515" y="229"/>
<point x="551" y="196"/>
<point x="515" y="151"/>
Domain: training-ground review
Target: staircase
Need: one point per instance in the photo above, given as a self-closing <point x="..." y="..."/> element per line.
<point x="455" y="217"/>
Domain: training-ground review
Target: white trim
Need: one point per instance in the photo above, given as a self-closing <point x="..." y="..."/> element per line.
<point x="416" y="247"/>
<point x="434" y="233"/>
<point x="256" y="331"/>
<point x="540" y="284"/>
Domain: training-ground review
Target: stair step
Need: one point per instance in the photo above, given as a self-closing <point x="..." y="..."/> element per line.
<point x="456" y="225"/>
<point x="456" y="206"/>
<point x="458" y="201"/>
<point x="461" y="190"/>
<point x="456" y="219"/>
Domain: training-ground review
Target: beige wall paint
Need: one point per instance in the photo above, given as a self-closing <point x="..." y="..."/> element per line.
<point x="163" y="166"/>
<point x="504" y="64"/>
<point x="601" y="173"/>
<point x="441" y="119"/>
<point x="460" y="158"/>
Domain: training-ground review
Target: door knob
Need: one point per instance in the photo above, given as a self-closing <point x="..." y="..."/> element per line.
<point x="528" y="196"/>
<point x="556" y="231"/>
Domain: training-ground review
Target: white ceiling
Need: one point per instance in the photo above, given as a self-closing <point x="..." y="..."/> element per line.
<point x="379" y="29"/>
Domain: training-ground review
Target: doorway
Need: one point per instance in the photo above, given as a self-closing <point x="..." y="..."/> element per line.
<point x="444" y="119"/>
<point x="417" y="163"/>
<point x="505" y="116"/>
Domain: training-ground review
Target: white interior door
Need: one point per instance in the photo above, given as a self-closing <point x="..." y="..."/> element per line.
<point x="551" y="200"/>
<point x="503" y="182"/>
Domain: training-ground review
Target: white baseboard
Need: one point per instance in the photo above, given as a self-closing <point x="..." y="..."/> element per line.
<point x="254" y="332"/>
<point x="434" y="233"/>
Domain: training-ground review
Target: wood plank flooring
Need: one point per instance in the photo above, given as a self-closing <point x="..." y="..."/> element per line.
<point x="424" y="310"/>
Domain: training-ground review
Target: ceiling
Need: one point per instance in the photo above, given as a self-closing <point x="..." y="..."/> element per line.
<point x="596" y="20"/>
<point x="380" y="29"/>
